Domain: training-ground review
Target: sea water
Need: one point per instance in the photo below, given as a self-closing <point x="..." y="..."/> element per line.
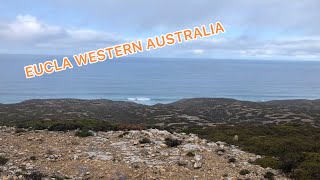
<point x="161" y="80"/>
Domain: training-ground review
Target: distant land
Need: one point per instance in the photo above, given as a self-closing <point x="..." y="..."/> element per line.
<point x="182" y="114"/>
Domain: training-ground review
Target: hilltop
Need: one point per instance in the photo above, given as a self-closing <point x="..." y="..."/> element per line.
<point x="120" y="155"/>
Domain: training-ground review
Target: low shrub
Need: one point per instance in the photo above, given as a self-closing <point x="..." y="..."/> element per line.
<point x="190" y="154"/>
<point x="232" y="160"/>
<point x="172" y="142"/>
<point x="19" y="130"/>
<point x="3" y="160"/>
<point x="33" y="158"/>
<point x="144" y="141"/>
<point x="123" y="134"/>
<point x="268" y="162"/>
<point x="269" y="175"/>
<point x="64" y="127"/>
<point x="244" y="172"/>
<point x="35" y="176"/>
<point x="296" y="147"/>
<point x="83" y="133"/>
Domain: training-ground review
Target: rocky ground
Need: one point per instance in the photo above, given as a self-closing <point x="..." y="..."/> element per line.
<point x="121" y="155"/>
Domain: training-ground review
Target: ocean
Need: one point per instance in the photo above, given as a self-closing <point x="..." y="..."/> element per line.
<point x="162" y="80"/>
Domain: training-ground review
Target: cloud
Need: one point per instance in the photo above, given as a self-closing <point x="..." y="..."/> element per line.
<point x="197" y="51"/>
<point x="254" y="29"/>
<point x="27" y="32"/>
<point x="27" y="28"/>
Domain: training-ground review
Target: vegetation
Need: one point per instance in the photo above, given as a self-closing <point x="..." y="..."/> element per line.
<point x="172" y="142"/>
<point x="144" y="141"/>
<point x="293" y="148"/>
<point x="19" y="130"/>
<point x="3" y="160"/>
<point x="33" y="158"/>
<point x="244" y="172"/>
<point x="66" y="125"/>
<point x="190" y="154"/>
<point x="35" y="176"/>
<point x="123" y="134"/>
<point x="269" y="175"/>
<point x="268" y="162"/>
<point x="83" y="133"/>
<point x="232" y="160"/>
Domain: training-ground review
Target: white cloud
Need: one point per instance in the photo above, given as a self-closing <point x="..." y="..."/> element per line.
<point x="27" y="32"/>
<point x="27" y="27"/>
<point x="198" y="51"/>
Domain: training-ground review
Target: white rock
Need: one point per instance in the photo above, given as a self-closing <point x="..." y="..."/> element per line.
<point x="197" y="165"/>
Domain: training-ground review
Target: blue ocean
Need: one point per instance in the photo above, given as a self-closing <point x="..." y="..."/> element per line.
<point x="161" y="80"/>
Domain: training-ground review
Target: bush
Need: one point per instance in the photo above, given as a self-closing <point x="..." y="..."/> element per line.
<point x="232" y="160"/>
<point x="288" y="166"/>
<point x="309" y="168"/>
<point x="269" y="175"/>
<point x="244" y="172"/>
<point x="190" y="154"/>
<point x="296" y="147"/>
<point x="172" y="142"/>
<point x="19" y="130"/>
<point x="35" y="176"/>
<point x="268" y="162"/>
<point x="64" y="127"/>
<point x="83" y="133"/>
<point x="123" y="134"/>
<point x="144" y="141"/>
<point x="3" y="160"/>
<point x="33" y="158"/>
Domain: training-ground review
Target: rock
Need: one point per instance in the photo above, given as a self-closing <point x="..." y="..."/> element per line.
<point x="92" y="155"/>
<point x="75" y="157"/>
<point x="135" y="165"/>
<point x="197" y="165"/>
<point x="197" y="157"/>
<point x="235" y="138"/>
<point x="163" y="145"/>
<point x="135" y="142"/>
<point x="220" y="153"/>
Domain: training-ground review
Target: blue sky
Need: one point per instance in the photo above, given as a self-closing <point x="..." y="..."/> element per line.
<point x="265" y="29"/>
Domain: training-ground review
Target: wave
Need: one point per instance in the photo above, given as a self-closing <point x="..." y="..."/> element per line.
<point x="139" y="99"/>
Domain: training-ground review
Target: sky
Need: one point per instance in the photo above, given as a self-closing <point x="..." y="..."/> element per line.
<point x="264" y="29"/>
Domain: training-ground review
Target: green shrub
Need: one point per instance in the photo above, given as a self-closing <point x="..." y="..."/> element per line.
<point x="190" y="154"/>
<point x="244" y="172"/>
<point x="309" y="168"/>
<point x="232" y="160"/>
<point x="268" y="162"/>
<point x="288" y="166"/>
<point x="3" y="160"/>
<point x="144" y="141"/>
<point x="269" y="175"/>
<point x="64" y="127"/>
<point x="35" y="176"/>
<point x="19" y="130"/>
<point x="83" y="133"/>
<point x="33" y="158"/>
<point x="172" y="142"/>
<point x="123" y="134"/>
<point x="290" y="144"/>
